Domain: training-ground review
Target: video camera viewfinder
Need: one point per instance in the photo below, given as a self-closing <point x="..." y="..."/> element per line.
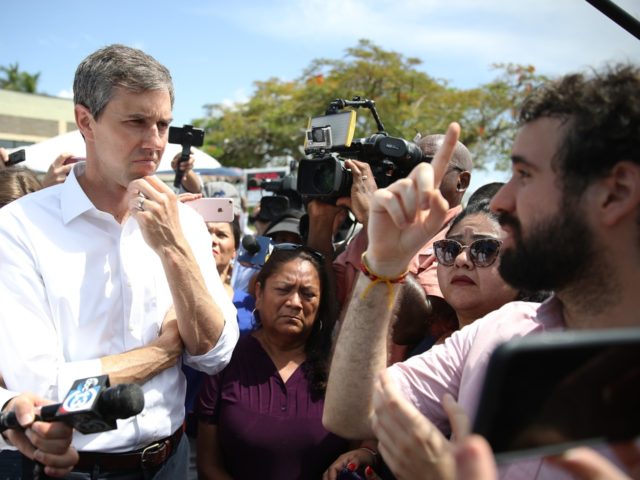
<point x="188" y="137"/>
<point x="329" y="131"/>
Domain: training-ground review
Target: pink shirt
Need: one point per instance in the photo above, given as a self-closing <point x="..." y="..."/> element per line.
<point x="458" y="366"/>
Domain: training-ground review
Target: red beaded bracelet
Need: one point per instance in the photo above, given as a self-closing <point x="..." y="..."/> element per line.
<point x="375" y="278"/>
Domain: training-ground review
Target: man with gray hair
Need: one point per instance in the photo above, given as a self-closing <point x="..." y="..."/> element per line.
<point x="108" y="273"/>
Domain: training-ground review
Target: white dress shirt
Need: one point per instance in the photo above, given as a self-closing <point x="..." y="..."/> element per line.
<point x="75" y="286"/>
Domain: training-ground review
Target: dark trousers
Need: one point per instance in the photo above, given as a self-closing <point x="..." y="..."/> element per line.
<point x="10" y="465"/>
<point x="176" y="467"/>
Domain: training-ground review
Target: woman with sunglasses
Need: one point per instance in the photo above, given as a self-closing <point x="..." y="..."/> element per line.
<point x="467" y="267"/>
<point x="261" y="417"/>
<point x="468" y="260"/>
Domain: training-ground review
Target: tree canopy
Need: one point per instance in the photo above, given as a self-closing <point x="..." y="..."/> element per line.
<point x="15" y="79"/>
<point x="269" y="127"/>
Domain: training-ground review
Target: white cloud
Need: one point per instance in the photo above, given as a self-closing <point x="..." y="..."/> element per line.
<point x="240" y="95"/>
<point x="66" y="93"/>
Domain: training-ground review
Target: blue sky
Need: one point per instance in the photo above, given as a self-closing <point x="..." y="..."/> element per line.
<point x="216" y="50"/>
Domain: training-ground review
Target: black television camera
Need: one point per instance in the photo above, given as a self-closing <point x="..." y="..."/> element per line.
<point x="285" y="196"/>
<point x="329" y="140"/>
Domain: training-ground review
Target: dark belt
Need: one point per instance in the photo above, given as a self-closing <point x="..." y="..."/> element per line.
<point x="150" y="457"/>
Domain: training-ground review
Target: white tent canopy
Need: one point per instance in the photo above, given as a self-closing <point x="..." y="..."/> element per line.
<point x="40" y="155"/>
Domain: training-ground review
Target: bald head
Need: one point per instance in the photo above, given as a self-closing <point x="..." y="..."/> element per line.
<point x="458" y="174"/>
<point x="429" y="144"/>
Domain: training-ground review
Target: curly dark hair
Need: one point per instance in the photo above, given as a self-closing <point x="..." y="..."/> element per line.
<point x="602" y="115"/>
<point x="318" y="346"/>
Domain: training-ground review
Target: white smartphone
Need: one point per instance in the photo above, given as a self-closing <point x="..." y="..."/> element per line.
<point x="213" y="209"/>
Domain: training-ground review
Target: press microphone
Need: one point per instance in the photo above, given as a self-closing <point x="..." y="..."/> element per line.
<point x="257" y="249"/>
<point x="91" y="406"/>
<point x="250" y="244"/>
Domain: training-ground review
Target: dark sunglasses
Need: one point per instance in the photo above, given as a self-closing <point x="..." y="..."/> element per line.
<point x="296" y="246"/>
<point x="483" y="252"/>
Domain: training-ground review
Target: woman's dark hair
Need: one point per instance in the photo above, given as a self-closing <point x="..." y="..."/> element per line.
<point x="235" y="228"/>
<point x="485" y="192"/>
<point x="480" y="205"/>
<point x="318" y="346"/>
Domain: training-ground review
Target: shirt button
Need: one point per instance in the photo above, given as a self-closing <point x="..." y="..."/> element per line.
<point x="283" y="408"/>
<point x="131" y="328"/>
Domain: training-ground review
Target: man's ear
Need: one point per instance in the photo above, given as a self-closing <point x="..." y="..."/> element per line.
<point x="85" y="121"/>
<point x="464" y="178"/>
<point x="620" y="193"/>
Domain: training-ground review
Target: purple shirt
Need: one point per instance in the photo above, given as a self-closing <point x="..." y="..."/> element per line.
<point x="267" y="428"/>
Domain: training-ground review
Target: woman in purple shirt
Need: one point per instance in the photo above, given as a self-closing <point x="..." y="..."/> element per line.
<point x="261" y="417"/>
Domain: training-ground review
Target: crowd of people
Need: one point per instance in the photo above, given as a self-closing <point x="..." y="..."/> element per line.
<point x="329" y="359"/>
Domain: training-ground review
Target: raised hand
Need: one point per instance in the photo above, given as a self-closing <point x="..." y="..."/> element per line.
<point x="362" y="189"/>
<point x="58" y="171"/>
<point x="410" y="444"/>
<point x="154" y="205"/>
<point x="406" y="214"/>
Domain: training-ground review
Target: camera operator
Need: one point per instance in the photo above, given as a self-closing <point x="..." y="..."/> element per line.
<point x="285" y="229"/>
<point x="347" y="264"/>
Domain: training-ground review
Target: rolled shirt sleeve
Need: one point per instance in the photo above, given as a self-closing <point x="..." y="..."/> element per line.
<point x="219" y="356"/>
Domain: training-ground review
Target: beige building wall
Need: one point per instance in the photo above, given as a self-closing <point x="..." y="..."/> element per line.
<point x="27" y="118"/>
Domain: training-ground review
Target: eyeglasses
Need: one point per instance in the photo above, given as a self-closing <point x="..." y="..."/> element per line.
<point x="296" y="246"/>
<point x="483" y="252"/>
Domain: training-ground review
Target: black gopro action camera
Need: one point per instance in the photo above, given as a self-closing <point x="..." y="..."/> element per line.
<point x="188" y="137"/>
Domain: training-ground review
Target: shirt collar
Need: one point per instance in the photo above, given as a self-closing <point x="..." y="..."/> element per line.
<point x="550" y="313"/>
<point x="73" y="201"/>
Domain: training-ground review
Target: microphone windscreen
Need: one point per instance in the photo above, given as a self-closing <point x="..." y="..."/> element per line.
<point x="122" y="401"/>
<point x="250" y="244"/>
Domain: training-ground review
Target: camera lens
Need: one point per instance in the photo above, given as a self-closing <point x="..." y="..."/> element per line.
<point x="323" y="180"/>
<point x="318" y="135"/>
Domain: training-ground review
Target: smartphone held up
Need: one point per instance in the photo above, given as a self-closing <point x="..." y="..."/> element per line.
<point x="548" y="392"/>
<point x="213" y="209"/>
